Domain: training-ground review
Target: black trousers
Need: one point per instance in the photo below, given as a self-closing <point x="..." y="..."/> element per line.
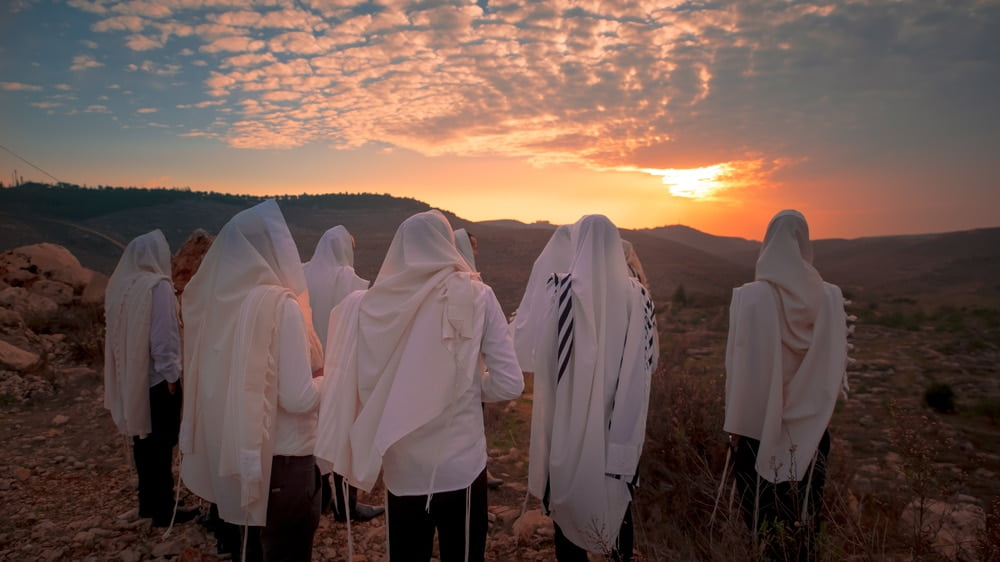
<point x="567" y="551"/>
<point x="154" y="455"/>
<point x="293" y="509"/>
<point x="780" y="527"/>
<point x="411" y="526"/>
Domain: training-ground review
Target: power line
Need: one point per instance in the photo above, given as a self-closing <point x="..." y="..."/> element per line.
<point x="22" y="159"/>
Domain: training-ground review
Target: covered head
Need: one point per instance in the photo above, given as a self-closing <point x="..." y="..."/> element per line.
<point x="555" y="257"/>
<point x="146" y="253"/>
<point x="330" y="276"/>
<point x="466" y="244"/>
<point x="785" y="261"/>
<point x="634" y="265"/>
<point x="335" y="248"/>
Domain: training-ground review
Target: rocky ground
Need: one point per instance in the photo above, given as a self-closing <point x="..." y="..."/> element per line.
<point x="68" y="490"/>
<point x="905" y="481"/>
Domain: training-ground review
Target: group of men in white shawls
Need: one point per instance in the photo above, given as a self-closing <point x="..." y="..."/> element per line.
<point x="408" y="362"/>
<point x="407" y="365"/>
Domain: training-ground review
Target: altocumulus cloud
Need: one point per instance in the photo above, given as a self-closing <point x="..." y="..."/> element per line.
<point x="647" y="85"/>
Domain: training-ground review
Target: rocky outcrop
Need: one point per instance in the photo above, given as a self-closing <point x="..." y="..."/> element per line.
<point x="47" y="314"/>
<point x="185" y="262"/>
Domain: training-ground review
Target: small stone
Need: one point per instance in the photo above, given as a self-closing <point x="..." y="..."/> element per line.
<point x="21" y="473"/>
<point x="128" y="555"/>
<point x="167" y="548"/>
<point x="60" y="420"/>
<point x="83" y="537"/>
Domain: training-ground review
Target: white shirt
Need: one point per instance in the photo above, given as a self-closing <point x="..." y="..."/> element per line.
<point x="164" y="336"/>
<point x="455" y="441"/>
<point x="298" y="392"/>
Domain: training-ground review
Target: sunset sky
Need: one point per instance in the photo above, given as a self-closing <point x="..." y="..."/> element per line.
<point x="871" y="117"/>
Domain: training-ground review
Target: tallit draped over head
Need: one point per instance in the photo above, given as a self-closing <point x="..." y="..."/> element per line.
<point x="383" y="378"/>
<point x="554" y="258"/>
<point x="464" y="244"/>
<point x="330" y="276"/>
<point x="128" y="306"/>
<point x="786" y="358"/>
<point x="231" y="316"/>
<point x="592" y="373"/>
<point x="634" y="265"/>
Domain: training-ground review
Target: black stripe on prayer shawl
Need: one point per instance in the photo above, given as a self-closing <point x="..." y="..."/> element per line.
<point x="650" y="327"/>
<point x="564" y="336"/>
<point x="564" y="326"/>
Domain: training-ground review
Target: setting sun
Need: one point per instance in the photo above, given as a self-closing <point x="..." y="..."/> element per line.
<point x="695" y="183"/>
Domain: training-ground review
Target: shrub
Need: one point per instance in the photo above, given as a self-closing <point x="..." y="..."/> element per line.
<point x="940" y="398"/>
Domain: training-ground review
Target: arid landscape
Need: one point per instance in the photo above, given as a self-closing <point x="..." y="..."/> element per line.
<point x="915" y="463"/>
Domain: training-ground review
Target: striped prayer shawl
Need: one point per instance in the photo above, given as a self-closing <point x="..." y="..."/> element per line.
<point x="564" y="333"/>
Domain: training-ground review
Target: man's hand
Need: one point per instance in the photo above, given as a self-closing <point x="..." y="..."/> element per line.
<point x="172" y="387"/>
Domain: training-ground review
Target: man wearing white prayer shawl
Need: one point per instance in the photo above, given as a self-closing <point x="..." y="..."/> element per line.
<point x="142" y="369"/>
<point x="330" y="277"/>
<point x="786" y="361"/>
<point x="593" y="360"/>
<point x="251" y="357"/>
<point x="405" y="388"/>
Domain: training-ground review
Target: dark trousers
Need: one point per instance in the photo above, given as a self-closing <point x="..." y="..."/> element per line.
<point x="333" y="497"/>
<point x="411" y="526"/>
<point x="154" y="455"/>
<point x="293" y="509"/>
<point x="567" y="551"/>
<point x="780" y="527"/>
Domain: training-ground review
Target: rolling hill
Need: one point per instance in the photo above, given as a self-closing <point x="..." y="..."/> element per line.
<point x="95" y="223"/>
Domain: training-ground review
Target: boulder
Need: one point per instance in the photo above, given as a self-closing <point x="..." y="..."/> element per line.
<point x="93" y="293"/>
<point x="15" y="358"/>
<point x="528" y="524"/>
<point x="953" y="528"/>
<point x="10" y="317"/>
<point x="27" y="303"/>
<point x="56" y="291"/>
<point x="20" y="266"/>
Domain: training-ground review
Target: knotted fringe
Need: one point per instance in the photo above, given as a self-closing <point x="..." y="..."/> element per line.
<point x="345" y="493"/>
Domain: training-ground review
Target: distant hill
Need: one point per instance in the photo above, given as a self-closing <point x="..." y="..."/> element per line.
<point x="737" y="250"/>
<point x="95" y="223"/>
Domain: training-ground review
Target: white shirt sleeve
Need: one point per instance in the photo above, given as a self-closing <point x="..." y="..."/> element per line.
<point x="298" y="391"/>
<point x="164" y="335"/>
<point x="503" y="379"/>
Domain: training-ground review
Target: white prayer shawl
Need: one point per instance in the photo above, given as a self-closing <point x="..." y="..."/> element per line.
<point x="464" y="245"/>
<point x="786" y="356"/>
<point x="588" y="426"/>
<point x="384" y="379"/>
<point x="554" y="258"/>
<point x="128" y="313"/>
<point x="330" y="276"/>
<point x="231" y="315"/>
